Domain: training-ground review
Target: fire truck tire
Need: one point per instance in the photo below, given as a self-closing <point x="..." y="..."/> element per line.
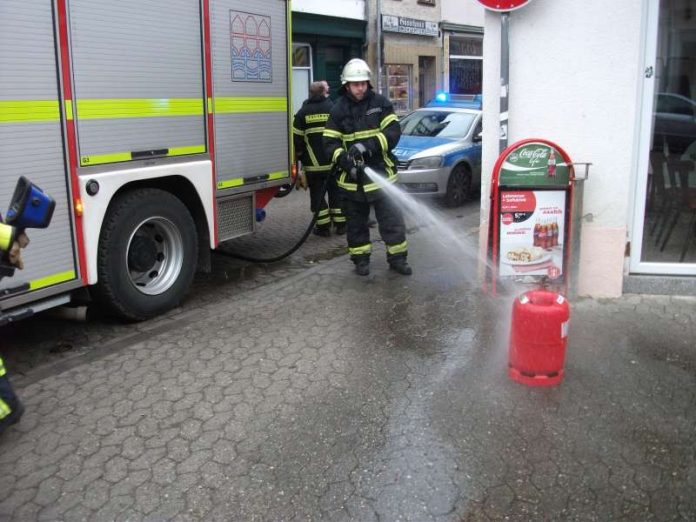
<point x="147" y="254"/>
<point x="459" y="186"/>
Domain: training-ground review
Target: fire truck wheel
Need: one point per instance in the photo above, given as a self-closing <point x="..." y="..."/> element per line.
<point x="147" y="254"/>
<point x="458" y="186"/>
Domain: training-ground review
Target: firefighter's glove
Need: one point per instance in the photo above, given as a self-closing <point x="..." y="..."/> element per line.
<point x="358" y="153"/>
<point x="345" y="162"/>
<point x="14" y="256"/>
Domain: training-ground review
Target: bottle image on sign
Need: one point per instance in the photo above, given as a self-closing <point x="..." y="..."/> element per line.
<point x="551" y="165"/>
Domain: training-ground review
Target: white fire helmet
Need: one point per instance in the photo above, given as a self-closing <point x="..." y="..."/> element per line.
<point x="356" y="70"/>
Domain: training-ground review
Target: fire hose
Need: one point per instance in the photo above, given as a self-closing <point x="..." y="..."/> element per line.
<point x="299" y="243"/>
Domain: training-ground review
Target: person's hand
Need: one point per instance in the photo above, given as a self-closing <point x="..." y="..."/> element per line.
<point x="345" y="162"/>
<point x="358" y="152"/>
<point x="14" y="256"/>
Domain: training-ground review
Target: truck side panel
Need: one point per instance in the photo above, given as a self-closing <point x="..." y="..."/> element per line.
<point x="250" y="82"/>
<point x="31" y="137"/>
<point x="138" y="79"/>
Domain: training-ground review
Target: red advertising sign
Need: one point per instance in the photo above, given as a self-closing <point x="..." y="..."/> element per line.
<point x="529" y="229"/>
<point x="503" y="5"/>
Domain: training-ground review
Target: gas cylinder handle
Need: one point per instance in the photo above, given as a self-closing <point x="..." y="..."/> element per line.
<point x="586" y="173"/>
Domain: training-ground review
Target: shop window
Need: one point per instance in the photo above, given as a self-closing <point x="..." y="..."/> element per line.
<point x="399" y="87"/>
<point x="301" y="74"/>
<point x="465" y="76"/>
<point x="465" y="65"/>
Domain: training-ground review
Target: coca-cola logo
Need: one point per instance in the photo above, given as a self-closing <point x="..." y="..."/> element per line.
<point x="532" y="157"/>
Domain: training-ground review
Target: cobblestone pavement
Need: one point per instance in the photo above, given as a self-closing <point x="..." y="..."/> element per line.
<point x="33" y="347"/>
<point x="326" y="396"/>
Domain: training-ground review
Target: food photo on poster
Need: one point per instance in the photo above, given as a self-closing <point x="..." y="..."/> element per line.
<point x="532" y="232"/>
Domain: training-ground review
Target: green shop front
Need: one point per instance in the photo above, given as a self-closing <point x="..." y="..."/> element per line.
<point x="321" y="46"/>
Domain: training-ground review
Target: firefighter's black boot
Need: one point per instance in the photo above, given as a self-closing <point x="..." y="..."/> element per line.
<point x="401" y="266"/>
<point x="362" y="267"/>
<point x="322" y="231"/>
<point x="340" y="229"/>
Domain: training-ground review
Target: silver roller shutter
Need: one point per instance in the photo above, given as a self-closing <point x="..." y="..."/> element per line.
<point x="138" y="77"/>
<point x="31" y="138"/>
<point x="250" y="88"/>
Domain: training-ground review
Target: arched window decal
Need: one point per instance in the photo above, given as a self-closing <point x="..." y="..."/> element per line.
<point x="251" y="47"/>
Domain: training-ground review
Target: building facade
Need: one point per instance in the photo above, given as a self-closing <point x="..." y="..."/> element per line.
<point x="614" y="84"/>
<point x="416" y="48"/>
<point x="325" y="36"/>
<point x="461" y="30"/>
<point x="407" y="39"/>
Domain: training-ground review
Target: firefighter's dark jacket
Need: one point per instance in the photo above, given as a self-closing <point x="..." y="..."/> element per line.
<point x="372" y="122"/>
<point x="307" y="129"/>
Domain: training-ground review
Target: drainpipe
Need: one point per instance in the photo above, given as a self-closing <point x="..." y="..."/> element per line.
<point x="379" y="46"/>
<point x="442" y="60"/>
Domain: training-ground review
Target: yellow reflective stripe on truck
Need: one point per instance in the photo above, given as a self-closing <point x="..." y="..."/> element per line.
<point x="101" y="109"/>
<point x="225" y="105"/>
<point x="68" y="109"/>
<point x="24" y="111"/>
<point x="100" y="159"/>
<point x="52" y="280"/>
<point x="18" y="111"/>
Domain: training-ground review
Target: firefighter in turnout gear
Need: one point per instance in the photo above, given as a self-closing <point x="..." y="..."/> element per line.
<point x="362" y="130"/>
<point x="12" y="242"/>
<point x="11" y="409"/>
<point x="307" y="130"/>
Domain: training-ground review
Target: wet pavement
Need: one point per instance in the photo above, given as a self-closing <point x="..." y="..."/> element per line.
<point x="315" y="394"/>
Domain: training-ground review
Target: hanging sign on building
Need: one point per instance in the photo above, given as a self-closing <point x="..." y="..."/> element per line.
<point x="399" y="24"/>
<point x="503" y="5"/>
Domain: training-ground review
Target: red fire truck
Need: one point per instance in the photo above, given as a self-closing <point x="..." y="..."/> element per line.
<point x="158" y="126"/>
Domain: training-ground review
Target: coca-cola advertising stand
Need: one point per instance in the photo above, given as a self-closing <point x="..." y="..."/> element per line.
<point x="532" y="202"/>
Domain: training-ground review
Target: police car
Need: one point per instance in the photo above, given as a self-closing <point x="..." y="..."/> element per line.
<point x="439" y="153"/>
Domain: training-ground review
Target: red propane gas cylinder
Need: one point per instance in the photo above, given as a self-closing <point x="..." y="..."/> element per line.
<point x="538" y="337"/>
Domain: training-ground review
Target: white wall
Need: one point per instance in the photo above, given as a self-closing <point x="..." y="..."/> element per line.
<point x="574" y="75"/>
<point x="465" y="12"/>
<point x="354" y="9"/>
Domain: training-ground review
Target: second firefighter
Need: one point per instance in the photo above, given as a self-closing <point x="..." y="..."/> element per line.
<point x="307" y="130"/>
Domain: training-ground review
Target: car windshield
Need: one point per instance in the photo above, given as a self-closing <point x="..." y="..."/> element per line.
<point x="442" y="124"/>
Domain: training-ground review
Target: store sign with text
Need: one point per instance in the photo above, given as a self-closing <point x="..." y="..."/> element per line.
<point x="399" y="24"/>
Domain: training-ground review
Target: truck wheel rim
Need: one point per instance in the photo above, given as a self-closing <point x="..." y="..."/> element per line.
<point x="154" y="256"/>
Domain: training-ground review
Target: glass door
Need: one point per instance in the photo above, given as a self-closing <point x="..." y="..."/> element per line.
<point x="664" y="228"/>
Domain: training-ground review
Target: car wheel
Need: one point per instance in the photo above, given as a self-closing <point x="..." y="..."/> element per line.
<point x="459" y="186"/>
<point x="147" y="254"/>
